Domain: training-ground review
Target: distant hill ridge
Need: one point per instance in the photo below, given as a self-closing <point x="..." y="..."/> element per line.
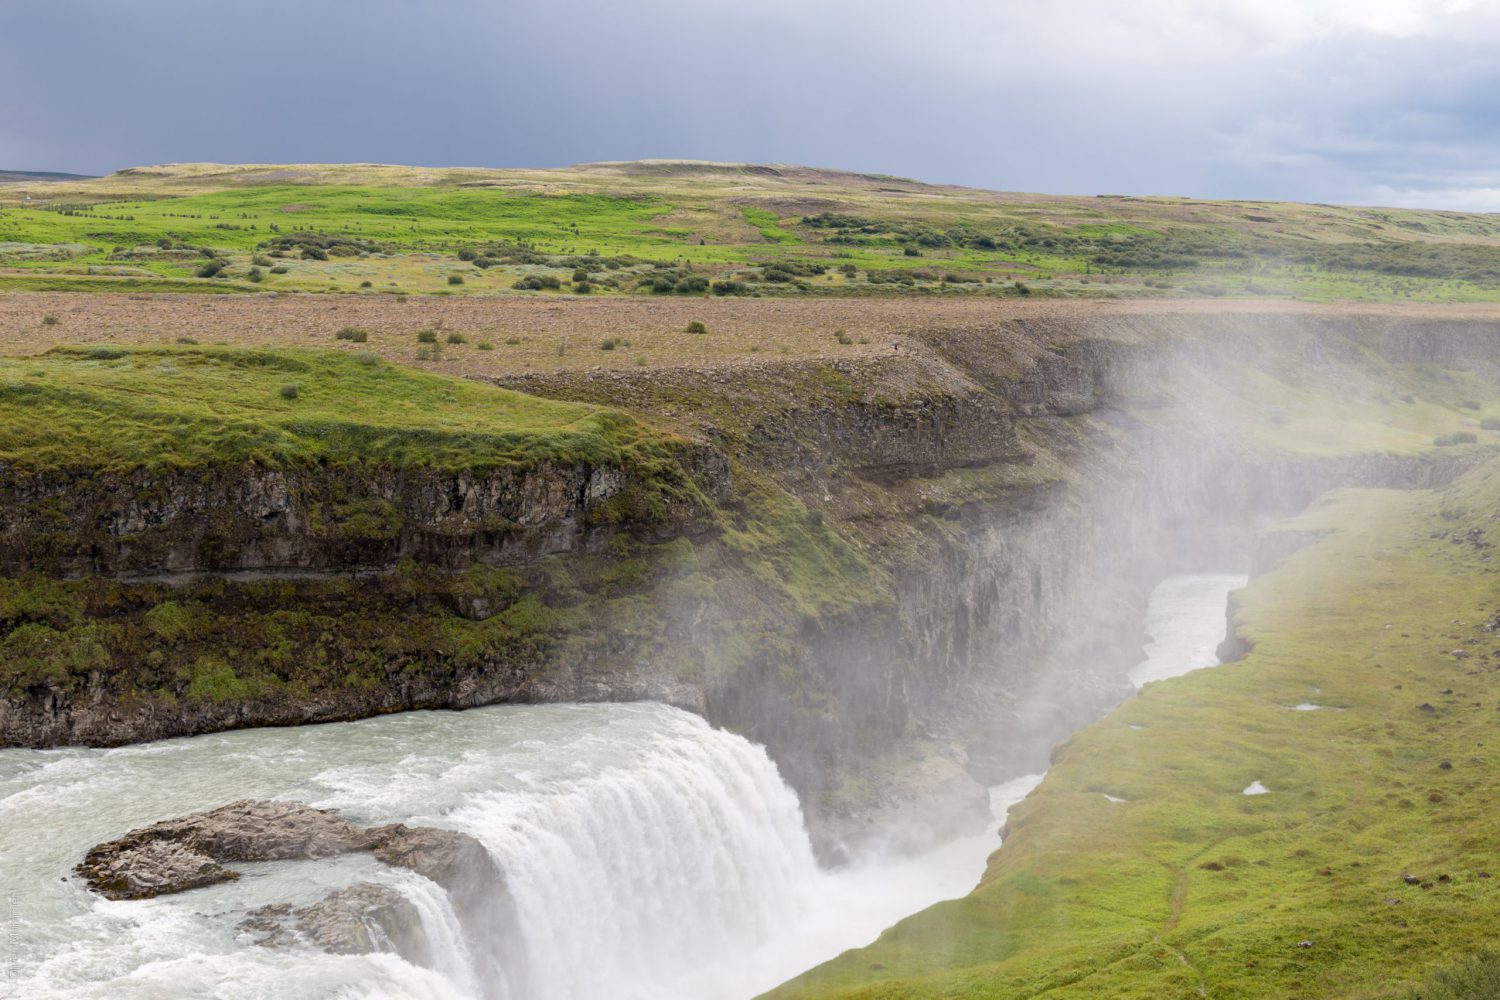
<point x="29" y="176"/>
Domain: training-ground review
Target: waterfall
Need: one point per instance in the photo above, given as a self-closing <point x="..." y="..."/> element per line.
<point x="630" y="881"/>
<point x="645" y="855"/>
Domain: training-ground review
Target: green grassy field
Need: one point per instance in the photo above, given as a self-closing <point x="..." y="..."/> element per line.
<point x="677" y="228"/>
<point x="117" y="408"/>
<point x="1189" y="888"/>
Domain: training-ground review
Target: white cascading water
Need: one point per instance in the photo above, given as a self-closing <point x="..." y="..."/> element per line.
<point x="647" y="855"/>
<point x="1184" y="623"/>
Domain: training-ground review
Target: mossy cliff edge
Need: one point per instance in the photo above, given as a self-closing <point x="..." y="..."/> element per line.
<point x="905" y="575"/>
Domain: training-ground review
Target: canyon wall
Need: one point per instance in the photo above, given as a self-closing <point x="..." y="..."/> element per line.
<point x="906" y="576"/>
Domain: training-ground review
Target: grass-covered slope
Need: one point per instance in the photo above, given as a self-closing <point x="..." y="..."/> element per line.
<point x="1366" y="866"/>
<point x="116" y="408"/>
<point x="684" y="228"/>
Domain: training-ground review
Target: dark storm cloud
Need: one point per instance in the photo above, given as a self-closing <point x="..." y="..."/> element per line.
<point x="1380" y="100"/>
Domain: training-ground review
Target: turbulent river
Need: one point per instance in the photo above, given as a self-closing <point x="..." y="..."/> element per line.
<point x="648" y="855"/>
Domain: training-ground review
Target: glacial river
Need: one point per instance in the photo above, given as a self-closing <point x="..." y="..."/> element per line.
<point x="649" y="855"/>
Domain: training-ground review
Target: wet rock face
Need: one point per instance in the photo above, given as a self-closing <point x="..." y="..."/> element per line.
<point x="462" y="866"/>
<point x="190" y="851"/>
<point x="355" y="920"/>
<point x="149" y="868"/>
<point x="451" y="859"/>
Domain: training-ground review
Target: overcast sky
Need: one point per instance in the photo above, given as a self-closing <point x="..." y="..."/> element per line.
<point x="1368" y="101"/>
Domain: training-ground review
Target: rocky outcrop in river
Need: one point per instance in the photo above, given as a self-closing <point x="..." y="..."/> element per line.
<point x="192" y="851"/>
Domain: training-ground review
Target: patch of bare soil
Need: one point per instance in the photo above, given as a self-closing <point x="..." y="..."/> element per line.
<point x="551" y="333"/>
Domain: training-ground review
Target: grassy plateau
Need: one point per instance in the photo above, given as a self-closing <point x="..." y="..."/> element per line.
<point x="694" y="229"/>
<point x="110" y="407"/>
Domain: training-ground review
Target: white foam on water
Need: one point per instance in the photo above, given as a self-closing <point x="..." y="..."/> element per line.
<point x="1185" y="621"/>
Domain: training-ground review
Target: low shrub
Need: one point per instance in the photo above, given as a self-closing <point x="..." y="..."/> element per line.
<point x="427" y="336"/>
<point x="210" y="269"/>
<point x="50" y="320"/>
<point x="1490" y="424"/>
<point x="455" y="279"/>
<point x="353" y="334"/>
<point x="582" y="287"/>
<point x="696" y="327"/>
<point x="608" y="344"/>
<point x="842" y="337"/>
<point x="484" y="345"/>
<point x="1457" y="437"/>
<point x="457" y="338"/>
<point x="289" y="391"/>
<point x="1473" y="977"/>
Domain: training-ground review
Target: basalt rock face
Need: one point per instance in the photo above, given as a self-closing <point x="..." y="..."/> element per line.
<point x="1017" y="610"/>
<point x="246" y="519"/>
<point x="526" y="672"/>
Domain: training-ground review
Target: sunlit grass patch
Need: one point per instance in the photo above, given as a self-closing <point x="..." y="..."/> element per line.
<point x="108" y="407"/>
